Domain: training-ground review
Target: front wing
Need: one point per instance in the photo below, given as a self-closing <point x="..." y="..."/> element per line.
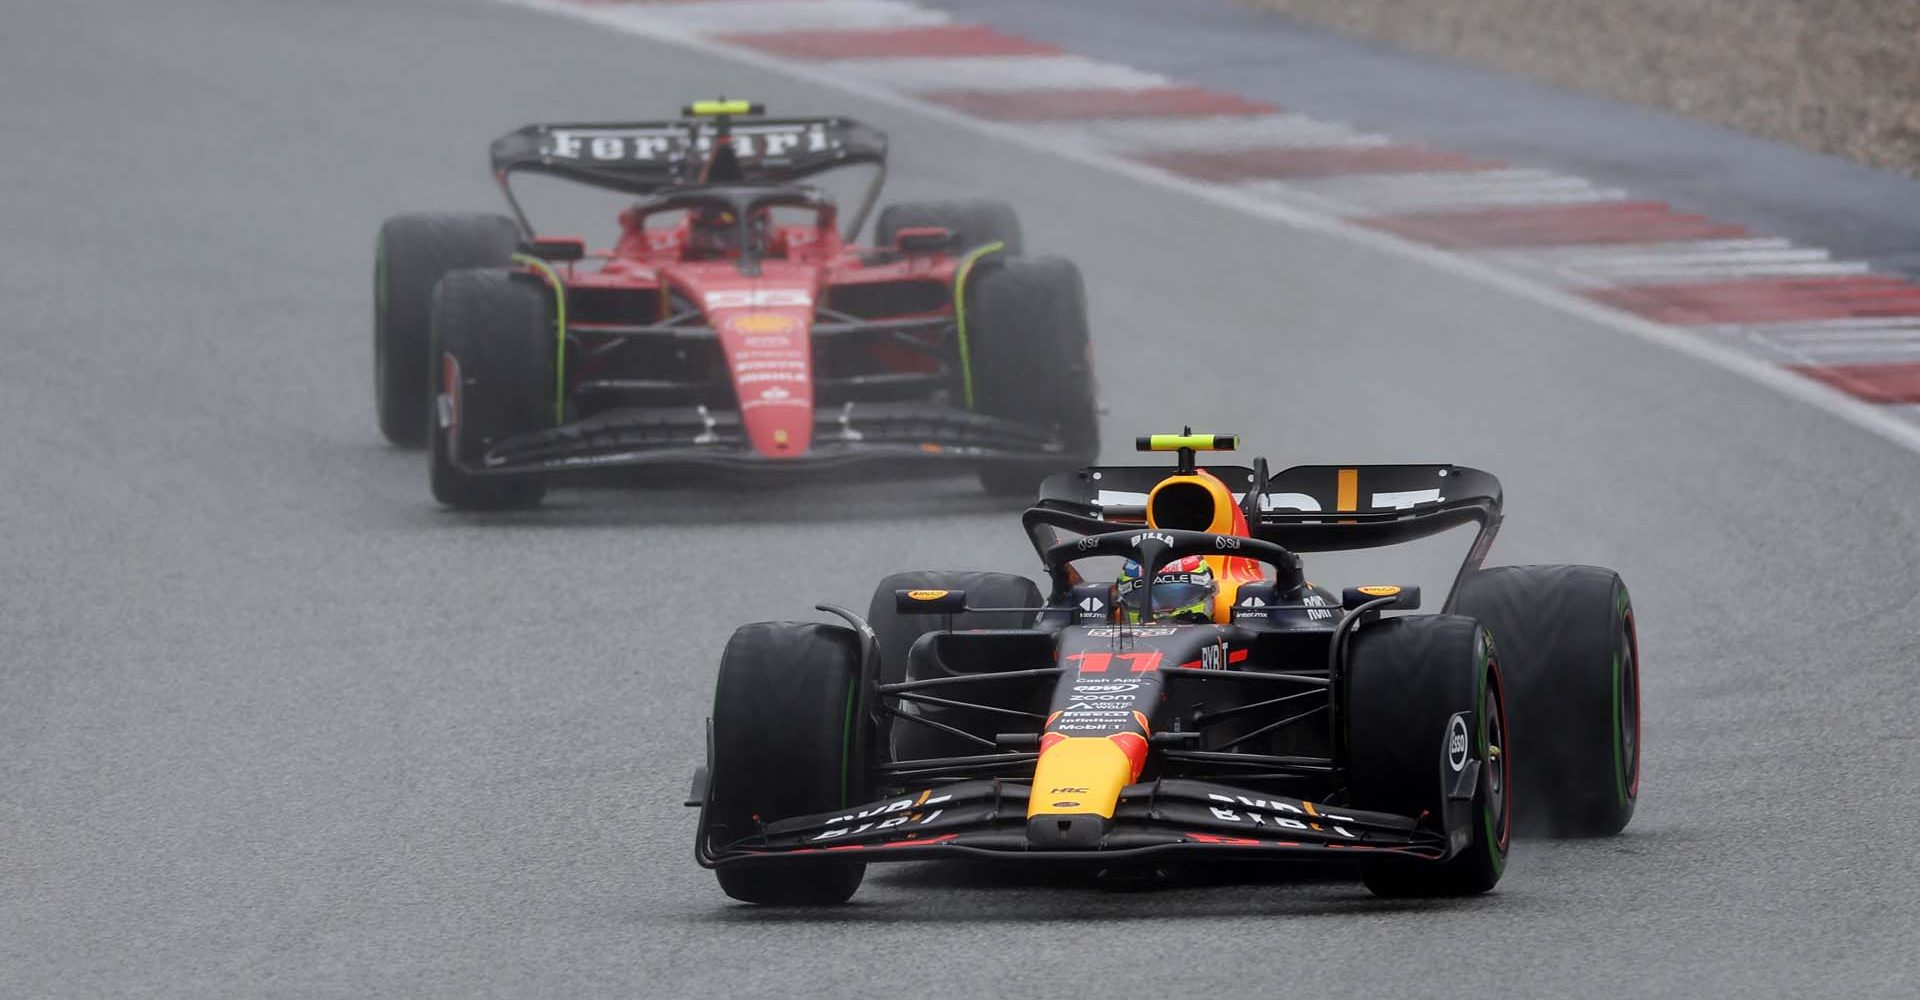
<point x="904" y="434"/>
<point x="988" y="819"/>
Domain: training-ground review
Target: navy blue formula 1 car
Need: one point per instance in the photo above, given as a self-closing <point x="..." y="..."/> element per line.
<point x="1210" y="702"/>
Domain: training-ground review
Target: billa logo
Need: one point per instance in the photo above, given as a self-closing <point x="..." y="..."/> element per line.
<point x="1379" y="591"/>
<point x="926" y="595"/>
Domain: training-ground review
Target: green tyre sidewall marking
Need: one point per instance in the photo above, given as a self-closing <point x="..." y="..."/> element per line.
<point x="846" y="740"/>
<point x="960" y="313"/>
<point x="1488" y="707"/>
<point x="552" y="278"/>
<point x="1619" y="736"/>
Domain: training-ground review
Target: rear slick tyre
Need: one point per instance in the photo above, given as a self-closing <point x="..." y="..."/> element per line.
<point x="783" y="745"/>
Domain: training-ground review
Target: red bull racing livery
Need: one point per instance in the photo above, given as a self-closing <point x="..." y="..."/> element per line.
<point x="1260" y="717"/>
<point x="732" y="325"/>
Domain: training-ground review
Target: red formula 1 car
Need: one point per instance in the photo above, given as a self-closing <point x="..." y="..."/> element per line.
<point x="732" y="325"/>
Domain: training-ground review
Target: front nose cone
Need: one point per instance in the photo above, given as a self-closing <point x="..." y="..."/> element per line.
<point x="1075" y="787"/>
<point x="1068" y="831"/>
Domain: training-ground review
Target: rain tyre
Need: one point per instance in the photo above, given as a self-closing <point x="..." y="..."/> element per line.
<point x="493" y="341"/>
<point x="1570" y="655"/>
<point x="1030" y="359"/>
<point x="897" y="633"/>
<point x="783" y="745"/>
<point x="411" y="254"/>
<point x="974" y="222"/>
<point x="1425" y="701"/>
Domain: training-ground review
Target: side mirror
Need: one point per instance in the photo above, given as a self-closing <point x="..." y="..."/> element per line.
<point x="929" y="602"/>
<point x="556" y="248"/>
<point x="1405" y="598"/>
<point x="923" y="239"/>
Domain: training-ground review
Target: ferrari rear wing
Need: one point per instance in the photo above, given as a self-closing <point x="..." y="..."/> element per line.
<point x="647" y="156"/>
<point x="1312" y="508"/>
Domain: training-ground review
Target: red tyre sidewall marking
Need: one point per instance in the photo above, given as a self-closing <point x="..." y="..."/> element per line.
<point x="450" y="381"/>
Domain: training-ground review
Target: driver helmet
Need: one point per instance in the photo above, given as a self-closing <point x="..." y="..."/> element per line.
<point x="1183" y="591"/>
<point x="713" y="232"/>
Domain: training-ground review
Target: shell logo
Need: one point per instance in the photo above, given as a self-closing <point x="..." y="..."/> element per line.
<point x="926" y="595"/>
<point x="1378" y="591"/>
<point x="764" y="323"/>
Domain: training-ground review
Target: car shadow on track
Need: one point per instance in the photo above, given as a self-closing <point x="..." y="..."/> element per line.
<point x="730" y="504"/>
<point x="946" y="893"/>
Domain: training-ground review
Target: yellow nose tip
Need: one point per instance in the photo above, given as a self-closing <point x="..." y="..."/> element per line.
<point x="1079" y="774"/>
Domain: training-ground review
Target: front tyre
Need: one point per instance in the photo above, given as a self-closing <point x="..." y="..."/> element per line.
<point x="493" y="342"/>
<point x="1425" y="708"/>
<point x="410" y="256"/>
<point x="1030" y="358"/>
<point x="783" y="745"/>
<point x="1571" y="657"/>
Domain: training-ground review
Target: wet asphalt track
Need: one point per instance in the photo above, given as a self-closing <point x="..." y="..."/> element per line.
<point x="273" y="725"/>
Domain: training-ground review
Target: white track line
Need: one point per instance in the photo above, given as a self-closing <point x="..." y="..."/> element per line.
<point x="752" y="16"/>
<point x="1894" y="346"/>
<point x="1653" y="274"/>
<point x="997" y="73"/>
<point x="1889" y="341"/>
<point x="1220" y="133"/>
<point x="1890" y="423"/>
<point x="1867" y="327"/>
<point x="1859" y="354"/>
<point x="1410" y="192"/>
<point x="1575" y="256"/>
<point x="1682" y="262"/>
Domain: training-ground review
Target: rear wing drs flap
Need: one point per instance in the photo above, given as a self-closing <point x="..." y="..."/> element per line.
<point x="647" y="156"/>
<point x="1312" y="508"/>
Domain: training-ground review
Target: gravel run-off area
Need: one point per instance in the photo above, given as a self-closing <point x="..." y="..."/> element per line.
<point x="1837" y="76"/>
